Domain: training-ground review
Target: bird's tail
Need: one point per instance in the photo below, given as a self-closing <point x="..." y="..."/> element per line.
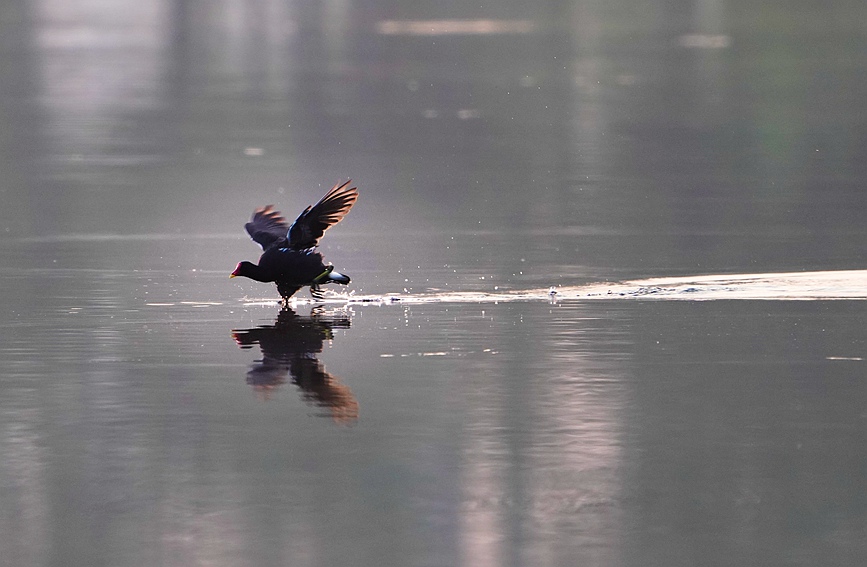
<point x="338" y="278"/>
<point x="329" y="275"/>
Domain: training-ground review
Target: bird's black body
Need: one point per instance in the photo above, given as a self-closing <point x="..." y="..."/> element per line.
<point x="289" y="256"/>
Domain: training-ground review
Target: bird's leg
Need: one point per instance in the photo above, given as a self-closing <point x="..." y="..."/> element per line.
<point x="317" y="292"/>
<point x="323" y="276"/>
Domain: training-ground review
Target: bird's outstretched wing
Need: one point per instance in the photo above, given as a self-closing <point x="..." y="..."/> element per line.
<point x="310" y="225"/>
<point x="267" y="227"/>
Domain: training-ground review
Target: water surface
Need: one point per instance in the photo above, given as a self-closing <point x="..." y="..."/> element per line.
<point x="608" y="284"/>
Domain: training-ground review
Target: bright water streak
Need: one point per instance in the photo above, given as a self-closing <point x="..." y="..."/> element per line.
<point x="792" y="286"/>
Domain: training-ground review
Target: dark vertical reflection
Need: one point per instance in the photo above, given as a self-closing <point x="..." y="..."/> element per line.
<point x="21" y="143"/>
<point x="94" y="103"/>
<point x="724" y="130"/>
<point x="25" y="462"/>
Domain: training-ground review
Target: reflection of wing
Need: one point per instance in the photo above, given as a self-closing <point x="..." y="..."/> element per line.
<point x="310" y="225"/>
<point x="267" y="374"/>
<point x="289" y="349"/>
<point x="324" y="389"/>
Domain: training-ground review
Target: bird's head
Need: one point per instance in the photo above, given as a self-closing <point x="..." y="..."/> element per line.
<point x="242" y="269"/>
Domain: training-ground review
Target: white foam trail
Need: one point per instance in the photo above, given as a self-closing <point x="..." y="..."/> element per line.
<point x="787" y="286"/>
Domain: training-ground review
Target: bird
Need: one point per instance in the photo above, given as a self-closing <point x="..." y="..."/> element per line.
<point x="289" y="253"/>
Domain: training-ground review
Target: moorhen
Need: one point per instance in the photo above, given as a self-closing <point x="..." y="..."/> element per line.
<point x="289" y="256"/>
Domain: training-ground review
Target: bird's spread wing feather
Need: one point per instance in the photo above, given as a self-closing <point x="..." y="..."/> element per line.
<point x="309" y="227"/>
<point x="267" y="227"/>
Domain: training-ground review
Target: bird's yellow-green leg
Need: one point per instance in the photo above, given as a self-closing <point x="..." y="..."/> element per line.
<point x="323" y="276"/>
<point x="316" y="291"/>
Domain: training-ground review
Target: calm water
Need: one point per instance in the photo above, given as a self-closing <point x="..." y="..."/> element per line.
<point x="154" y="412"/>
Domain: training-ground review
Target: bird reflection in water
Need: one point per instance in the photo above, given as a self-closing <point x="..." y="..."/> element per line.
<point x="289" y="348"/>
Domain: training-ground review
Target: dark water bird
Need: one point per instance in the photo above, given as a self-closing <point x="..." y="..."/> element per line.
<point x="289" y="350"/>
<point x="289" y="256"/>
